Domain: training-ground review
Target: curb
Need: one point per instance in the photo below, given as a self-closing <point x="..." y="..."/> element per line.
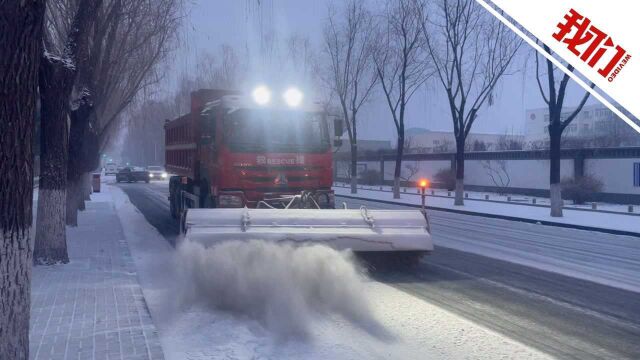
<point x="503" y="217"/>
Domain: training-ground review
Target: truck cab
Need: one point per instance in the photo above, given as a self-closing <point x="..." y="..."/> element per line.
<point x="237" y="150"/>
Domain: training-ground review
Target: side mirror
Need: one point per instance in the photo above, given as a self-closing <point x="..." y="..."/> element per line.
<point x="338" y="130"/>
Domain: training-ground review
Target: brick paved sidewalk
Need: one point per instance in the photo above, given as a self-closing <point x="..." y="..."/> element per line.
<point x="93" y="307"/>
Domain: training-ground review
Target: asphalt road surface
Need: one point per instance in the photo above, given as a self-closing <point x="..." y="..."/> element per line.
<point x="560" y="315"/>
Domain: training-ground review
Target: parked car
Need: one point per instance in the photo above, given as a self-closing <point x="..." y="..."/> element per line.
<point x="132" y="174"/>
<point x="157" y="173"/>
<point x="110" y="169"/>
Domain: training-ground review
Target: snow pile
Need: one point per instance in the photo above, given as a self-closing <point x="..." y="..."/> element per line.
<point x="282" y="286"/>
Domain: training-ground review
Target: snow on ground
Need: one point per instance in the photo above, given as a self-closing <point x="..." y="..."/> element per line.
<point x="608" y="259"/>
<point x="513" y="199"/>
<point x="624" y="222"/>
<point x="389" y="324"/>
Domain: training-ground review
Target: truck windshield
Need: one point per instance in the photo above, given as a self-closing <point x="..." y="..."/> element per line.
<point x="276" y="131"/>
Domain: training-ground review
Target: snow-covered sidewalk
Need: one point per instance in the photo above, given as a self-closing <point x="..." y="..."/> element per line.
<point x="93" y="307"/>
<point x="588" y="219"/>
<point x="414" y="328"/>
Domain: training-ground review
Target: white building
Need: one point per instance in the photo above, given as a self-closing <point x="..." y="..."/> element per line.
<point x="594" y="123"/>
<point x="428" y="141"/>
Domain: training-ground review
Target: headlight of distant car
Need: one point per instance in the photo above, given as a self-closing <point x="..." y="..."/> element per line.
<point x="164" y="175"/>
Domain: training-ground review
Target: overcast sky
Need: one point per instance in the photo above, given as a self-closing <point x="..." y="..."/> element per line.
<point x="212" y="23"/>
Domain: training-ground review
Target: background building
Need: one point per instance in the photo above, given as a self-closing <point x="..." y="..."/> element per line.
<point x="427" y="141"/>
<point x="595" y="126"/>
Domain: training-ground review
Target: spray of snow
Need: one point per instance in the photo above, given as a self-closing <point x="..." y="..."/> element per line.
<point x="284" y="287"/>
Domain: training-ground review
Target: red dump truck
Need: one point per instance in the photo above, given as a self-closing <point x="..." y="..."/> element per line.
<point x="234" y="150"/>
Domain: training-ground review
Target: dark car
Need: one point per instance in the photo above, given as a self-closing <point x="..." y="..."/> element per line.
<point x="132" y="174"/>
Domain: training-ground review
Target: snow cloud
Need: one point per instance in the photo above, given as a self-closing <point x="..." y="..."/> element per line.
<point x="284" y="287"/>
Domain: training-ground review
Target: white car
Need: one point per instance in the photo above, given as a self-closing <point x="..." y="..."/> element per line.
<point x="110" y="169"/>
<point x="156" y="173"/>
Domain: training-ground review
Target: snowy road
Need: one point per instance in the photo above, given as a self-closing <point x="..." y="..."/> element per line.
<point x="540" y="296"/>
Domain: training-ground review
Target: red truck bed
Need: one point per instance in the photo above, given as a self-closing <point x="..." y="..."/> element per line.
<point x="182" y="134"/>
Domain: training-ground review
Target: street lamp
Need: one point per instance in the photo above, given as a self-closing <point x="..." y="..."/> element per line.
<point x="423" y="184"/>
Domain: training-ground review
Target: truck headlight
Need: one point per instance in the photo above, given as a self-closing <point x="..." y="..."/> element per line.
<point x="261" y="95"/>
<point x="164" y="175"/>
<point x="230" y="201"/>
<point x="293" y="97"/>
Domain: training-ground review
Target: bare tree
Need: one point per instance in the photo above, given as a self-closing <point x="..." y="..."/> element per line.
<point x="411" y="170"/>
<point x="144" y="139"/>
<point x="129" y="43"/>
<point x="445" y="145"/>
<point x="478" y="145"/>
<point x="471" y="51"/>
<point x="56" y="79"/>
<point x="21" y="28"/>
<point x="221" y="70"/>
<point x="508" y="142"/>
<point x="348" y="45"/>
<point x="497" y="171"/>
<point x="401" y="66"/>
<point x="555" y="102"/>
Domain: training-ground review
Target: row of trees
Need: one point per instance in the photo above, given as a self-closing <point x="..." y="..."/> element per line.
<point x="401" y="48"/>
<point x="456" y="43"/>
<point x="83" y="62"/>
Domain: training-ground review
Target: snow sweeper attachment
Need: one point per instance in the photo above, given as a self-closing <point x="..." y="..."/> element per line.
<point x="361" y="230"/>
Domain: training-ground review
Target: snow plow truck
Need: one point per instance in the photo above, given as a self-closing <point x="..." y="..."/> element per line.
<point x="257" y="166"/>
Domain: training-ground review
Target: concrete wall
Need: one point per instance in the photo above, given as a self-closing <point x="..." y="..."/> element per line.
<point x="522" y="172"/>
<point x="616" y="174"/>
<point x="531" y="174"/>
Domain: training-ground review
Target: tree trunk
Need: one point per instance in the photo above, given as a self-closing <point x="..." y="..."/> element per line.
<point x="88" y="188"/>
<point x="77" y="142"/>
<point x="51" y="244"/>
<point x="398" y="169"/>
<point x="354" y="168"/>
<point x="84" y="189"/>
<point x="51" y="236"/>
<point x="459" y="200"/>
<point x="20" y="43"/>
<point x="555" y="190"/>
<point x="73" y="202"/>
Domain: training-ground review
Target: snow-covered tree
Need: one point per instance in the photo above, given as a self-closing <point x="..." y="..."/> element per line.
<point x="21" y="26"/>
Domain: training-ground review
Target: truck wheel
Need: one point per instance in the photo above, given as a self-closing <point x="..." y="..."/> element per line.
<point x="183" y="222"/>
